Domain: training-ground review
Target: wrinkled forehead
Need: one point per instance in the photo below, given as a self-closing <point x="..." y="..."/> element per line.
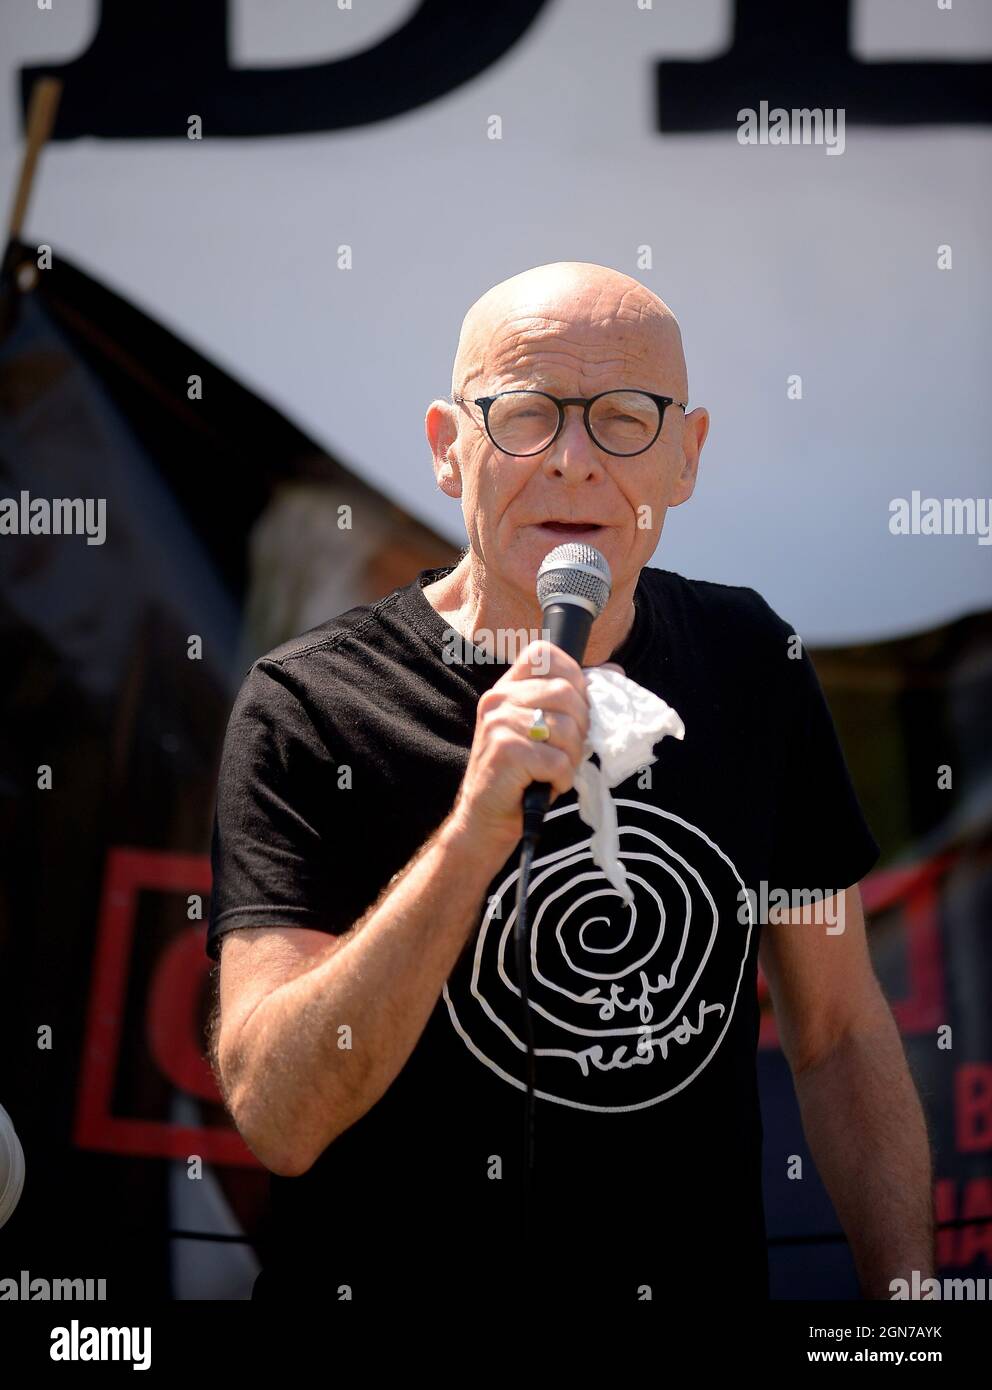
<point x="550" y="345"/>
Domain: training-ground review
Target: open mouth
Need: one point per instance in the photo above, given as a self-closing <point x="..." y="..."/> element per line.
<point x="578" y="528"/>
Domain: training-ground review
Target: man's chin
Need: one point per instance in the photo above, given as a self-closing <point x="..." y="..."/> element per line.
<point x="531" y="544"/>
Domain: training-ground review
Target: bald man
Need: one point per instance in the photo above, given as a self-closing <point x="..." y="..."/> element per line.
<point x="369" y="1039"/>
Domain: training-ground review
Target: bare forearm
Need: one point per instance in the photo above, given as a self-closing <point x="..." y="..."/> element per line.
<point x="866" y="1129"/>
<point x="321" y="1050"/>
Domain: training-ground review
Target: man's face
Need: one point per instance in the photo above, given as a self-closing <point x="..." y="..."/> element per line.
<point x="508" y="502"/>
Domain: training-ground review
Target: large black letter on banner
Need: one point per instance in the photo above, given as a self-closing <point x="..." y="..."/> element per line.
<point x="796" y="53"/>
<point x="154" y="63"/>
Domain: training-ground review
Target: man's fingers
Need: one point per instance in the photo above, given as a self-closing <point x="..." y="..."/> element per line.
<point x="564" y="731"/>
<point x="554" y="693"/>
<point x="542" y="658"/>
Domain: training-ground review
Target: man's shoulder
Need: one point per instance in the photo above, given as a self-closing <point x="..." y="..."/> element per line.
<point x="345" y="631"/>
<point x="727" y="608"/>
<point x="306" y="675"/>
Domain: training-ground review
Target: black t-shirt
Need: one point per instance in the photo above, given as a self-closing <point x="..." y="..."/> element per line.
<point x="345" y="750"/>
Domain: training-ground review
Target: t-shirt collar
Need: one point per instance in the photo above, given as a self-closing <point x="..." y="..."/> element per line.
<point x="634" y="649"/>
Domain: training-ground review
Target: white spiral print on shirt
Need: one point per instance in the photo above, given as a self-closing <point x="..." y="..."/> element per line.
<point x="629" y="1004"/>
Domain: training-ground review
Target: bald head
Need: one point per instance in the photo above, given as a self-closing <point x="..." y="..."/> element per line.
<point x="573" y="320"/>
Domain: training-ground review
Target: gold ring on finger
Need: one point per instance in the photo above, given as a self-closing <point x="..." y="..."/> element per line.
<point x="538" y="730"/>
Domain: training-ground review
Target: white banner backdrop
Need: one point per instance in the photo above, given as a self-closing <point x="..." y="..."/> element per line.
<point x="781" y="261"/>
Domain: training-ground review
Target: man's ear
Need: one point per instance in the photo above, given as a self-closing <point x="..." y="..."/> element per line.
<point x="442" y="431"/>
<point x="695" y="428"/>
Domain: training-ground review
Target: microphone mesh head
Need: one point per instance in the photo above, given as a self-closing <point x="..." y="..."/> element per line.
<point x="575" y="568"/>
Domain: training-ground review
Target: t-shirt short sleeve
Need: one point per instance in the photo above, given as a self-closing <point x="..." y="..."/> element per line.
<point x="272" y="861"/>
<point x="821" y="839"/>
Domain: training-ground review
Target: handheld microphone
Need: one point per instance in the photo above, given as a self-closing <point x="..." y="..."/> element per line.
<point x="573" y="588"/>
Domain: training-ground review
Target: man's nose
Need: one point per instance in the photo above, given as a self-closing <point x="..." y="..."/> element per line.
<point x="573" y="455"/>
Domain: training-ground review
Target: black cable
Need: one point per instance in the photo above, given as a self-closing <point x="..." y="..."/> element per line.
<point x="211" y="1235"/>
<point x="521" y="945"/>
<point x="826" y="1238"/>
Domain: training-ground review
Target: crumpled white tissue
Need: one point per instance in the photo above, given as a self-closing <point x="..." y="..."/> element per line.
<point x="625" y="722"/>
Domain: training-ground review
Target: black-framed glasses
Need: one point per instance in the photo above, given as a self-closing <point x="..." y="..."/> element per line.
<point x="524" y="422"/>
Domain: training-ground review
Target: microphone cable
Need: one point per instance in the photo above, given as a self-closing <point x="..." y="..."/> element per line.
<point x="521" y="942"/>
